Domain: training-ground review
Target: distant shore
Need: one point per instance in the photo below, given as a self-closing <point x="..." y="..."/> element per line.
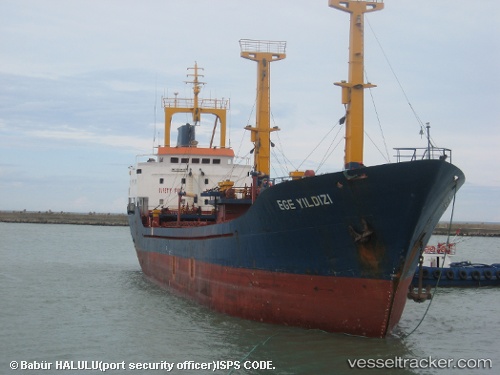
<point x="469" y="229"/>
<point x="110" y="219"/>
<point x="50" y="217"/>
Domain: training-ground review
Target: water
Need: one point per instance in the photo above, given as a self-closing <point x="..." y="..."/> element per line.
<point x="76" y="293"/>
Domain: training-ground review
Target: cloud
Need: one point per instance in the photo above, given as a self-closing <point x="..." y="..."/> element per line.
<point x="67" y="133"/>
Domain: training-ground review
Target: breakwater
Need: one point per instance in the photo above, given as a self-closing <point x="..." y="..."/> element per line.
<point x="113" y="219"/>
<point x="469" y="229"/>
<point x="50" y="217"/>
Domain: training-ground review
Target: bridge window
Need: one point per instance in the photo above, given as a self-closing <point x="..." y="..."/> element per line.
<point x="185" y="160"/>
<point x="174" y="160"/>
<point x="195" y="160"/>
<point x="216" y="161"/>
<point x="205" y="161"/>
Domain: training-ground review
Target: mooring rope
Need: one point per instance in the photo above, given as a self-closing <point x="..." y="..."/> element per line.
<point x="253" y="349"/>
<point x="447" y="245"/>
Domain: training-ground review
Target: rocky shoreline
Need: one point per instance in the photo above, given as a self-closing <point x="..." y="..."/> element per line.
<point x="113" y="219"/>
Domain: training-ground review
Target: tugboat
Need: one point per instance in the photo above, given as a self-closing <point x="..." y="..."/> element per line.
<point x="335" y="251"/>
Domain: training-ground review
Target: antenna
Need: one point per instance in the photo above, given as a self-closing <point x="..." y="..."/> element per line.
<point x="154" y="116"/>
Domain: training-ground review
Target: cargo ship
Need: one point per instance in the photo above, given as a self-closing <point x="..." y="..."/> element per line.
<point x="334" y="251"/>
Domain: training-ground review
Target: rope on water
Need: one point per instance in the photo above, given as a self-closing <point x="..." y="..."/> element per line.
<point x="253" y="349"/>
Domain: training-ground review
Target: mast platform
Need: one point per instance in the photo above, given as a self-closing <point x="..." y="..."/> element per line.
<point x="202" y="103"/>
<point x="262" y="46"/>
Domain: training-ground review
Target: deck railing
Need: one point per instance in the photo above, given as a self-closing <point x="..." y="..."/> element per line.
<point x="202" y="103"/>
<point x="268" y="46"/>
<point x="421" y="153"/>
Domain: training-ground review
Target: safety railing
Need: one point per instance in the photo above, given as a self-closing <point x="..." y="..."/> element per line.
<point x="202" y="103"/>
<point x="268" y="46"/>
<point x="422" y="153"/>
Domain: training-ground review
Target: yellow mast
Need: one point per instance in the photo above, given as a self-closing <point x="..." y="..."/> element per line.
<point x="217" y="107"/>
<point x="353" y="89"/>
<point x="263" y="52"/>
<point x="196" y="90"/>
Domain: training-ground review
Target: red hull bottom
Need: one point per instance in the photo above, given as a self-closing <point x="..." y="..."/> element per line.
<point x="364" y="307"/>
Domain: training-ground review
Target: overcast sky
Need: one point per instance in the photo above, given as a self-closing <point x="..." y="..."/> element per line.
<point x="81" y="85"/>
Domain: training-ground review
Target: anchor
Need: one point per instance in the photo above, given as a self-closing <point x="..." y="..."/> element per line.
<point x="362" y="237"/>
<point x="420" y="295"/>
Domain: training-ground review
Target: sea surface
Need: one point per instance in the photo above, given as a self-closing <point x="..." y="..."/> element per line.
<point x="74" y="297"/>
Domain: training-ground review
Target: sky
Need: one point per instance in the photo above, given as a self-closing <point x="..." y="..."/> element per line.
<point x="81" y="84"/>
